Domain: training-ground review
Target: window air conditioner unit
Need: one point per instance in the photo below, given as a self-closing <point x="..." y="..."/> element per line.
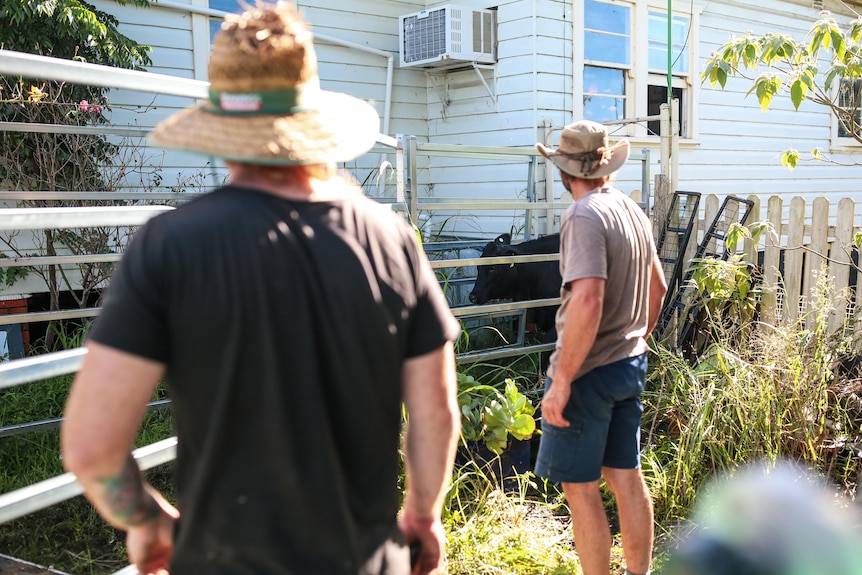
<point x="447" y="35"/>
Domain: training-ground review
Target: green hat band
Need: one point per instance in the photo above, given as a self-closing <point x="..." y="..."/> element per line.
<point x="280" y="102"/>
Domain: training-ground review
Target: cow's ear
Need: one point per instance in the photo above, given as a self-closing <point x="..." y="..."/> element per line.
<point x="504" y="239"/>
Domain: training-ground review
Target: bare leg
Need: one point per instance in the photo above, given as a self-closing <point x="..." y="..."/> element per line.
<point x="590" y="527"/>
<point x="634" y="504"/>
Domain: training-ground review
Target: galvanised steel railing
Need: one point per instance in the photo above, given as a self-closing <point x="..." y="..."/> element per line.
<point x="43" y="494"/>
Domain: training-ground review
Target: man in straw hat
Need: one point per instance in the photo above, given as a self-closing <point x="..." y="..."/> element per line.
<point x="613" y="288"/>
<point x="290" y="316"/>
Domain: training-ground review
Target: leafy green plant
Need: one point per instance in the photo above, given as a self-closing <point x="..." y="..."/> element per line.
<point x="728" y="290"/>
<point x="770" y="394"/>
<point x="492" y="415"/>
<point x="823" y="69"/>
<point x="65" y="160"/>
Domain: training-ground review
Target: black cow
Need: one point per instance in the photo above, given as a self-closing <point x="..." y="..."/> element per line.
<point x="522" y="281"/>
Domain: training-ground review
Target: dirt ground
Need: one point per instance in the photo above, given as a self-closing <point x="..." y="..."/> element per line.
<point x="11" y="566"/>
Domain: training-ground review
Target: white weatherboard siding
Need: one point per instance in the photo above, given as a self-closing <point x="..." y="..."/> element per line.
<point x="180" y="42"/>
<point x="740" y="147"/>
<point x="735" y="150"/>
<point x="171" y="36"/>
<point x="371" y="24"/>
<point x="531" y="83"/>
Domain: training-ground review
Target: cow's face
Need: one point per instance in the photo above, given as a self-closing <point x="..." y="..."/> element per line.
<point x="495" y="281"/>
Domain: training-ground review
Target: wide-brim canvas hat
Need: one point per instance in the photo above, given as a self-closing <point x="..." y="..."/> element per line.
<point x="584" y="151"/>
<point x="265" y="103"/>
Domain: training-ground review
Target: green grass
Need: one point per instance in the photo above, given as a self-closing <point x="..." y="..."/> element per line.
<point x="69" y="536"/>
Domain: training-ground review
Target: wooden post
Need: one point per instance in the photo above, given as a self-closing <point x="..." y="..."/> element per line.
<point x="771" y="260"/>
<point x="840" y="266"/>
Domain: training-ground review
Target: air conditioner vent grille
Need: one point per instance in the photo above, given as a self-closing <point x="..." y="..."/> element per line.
<point x="446" y="34"/>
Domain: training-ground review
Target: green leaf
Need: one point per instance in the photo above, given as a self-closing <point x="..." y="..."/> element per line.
<point x="721" y="75"/>
<point x="766" y="86"/>
<point x="789" y="158"/>
<point x="830" y="76"/>
<point x="757" y="229"/>
<point x="735" y="234"/>
<point x="523" y="427"/>
<point x="817" y="39"/>
<point x="750" y="55"/>
<point x="838" y="43"/>
<point x="797" y="93"/>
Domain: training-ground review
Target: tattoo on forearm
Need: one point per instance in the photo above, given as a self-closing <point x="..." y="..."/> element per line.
<point x="127" y="498"/>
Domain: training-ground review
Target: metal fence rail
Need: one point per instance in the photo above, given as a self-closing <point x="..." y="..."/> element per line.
<point x="40" y="367"/>
<point x="13" y="219"/>
<point x="38" y="496"/>
<point x="17" y="372"/>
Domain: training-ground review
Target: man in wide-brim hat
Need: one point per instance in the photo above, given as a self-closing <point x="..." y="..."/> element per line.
<point x="290" y="316"/>
<point x="612" y="292"/>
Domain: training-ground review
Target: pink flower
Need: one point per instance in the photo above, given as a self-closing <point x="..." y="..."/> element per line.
<point x="95" y="109"/>
<point x="83" y="105"/>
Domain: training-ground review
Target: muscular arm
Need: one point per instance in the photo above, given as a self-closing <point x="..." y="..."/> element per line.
<point x="583" y="315"/>
<point x="104" y="410"/>
<point x="430" y="396"/>
<point x="657" y="290"/>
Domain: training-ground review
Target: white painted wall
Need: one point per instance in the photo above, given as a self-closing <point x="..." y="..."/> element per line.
<point x="172" y="36"/>
<point x="740" y="147"/>
<point x="736" y="149"/>
<point x="372" y="24"/>
<point x="180" y="42"/>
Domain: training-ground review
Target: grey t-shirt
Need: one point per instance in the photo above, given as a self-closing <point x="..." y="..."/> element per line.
<point x="606" y="235"/>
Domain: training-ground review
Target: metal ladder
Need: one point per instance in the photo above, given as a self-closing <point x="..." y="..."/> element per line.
<point x="681" y="305"/>
<point x="674" y="237"/>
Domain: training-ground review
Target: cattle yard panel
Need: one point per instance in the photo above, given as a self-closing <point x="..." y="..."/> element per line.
<point x="28" y="370"/>
<point x="406" y="150"/>
<point x="43" y="494"/>
<point x="407" y="180"/>
<point x="676" y="321"/>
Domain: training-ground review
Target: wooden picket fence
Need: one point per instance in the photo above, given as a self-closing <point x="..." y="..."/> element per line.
<point x="810" y="244"/>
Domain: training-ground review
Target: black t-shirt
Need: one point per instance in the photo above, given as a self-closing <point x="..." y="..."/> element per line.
<point x="283" y="326"/>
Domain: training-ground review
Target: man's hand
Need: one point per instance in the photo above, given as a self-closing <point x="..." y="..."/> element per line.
<point x="554" y="402"/>
<point x="151" y="544"/>
<point x="431" y="537"/>
<point x="430" y="442"/>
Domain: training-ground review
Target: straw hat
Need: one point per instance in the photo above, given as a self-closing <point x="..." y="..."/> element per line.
<point x="265" y="104"/>
<point x="584" y="151"/>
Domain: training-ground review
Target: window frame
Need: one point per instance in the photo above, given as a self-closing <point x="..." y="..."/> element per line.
<point x="624" y="67"/>
<point x="684" y="104"/>
<point x="638" y="74"/>
<point x="236" y="7"/>
<point x="839" y="141"/>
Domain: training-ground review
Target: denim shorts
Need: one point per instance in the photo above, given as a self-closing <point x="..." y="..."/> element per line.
<point x="604" y="412"/>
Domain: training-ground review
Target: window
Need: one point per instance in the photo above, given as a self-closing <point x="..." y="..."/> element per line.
<point x="627" y="51"/>
<point x="658" y="37"/>
<point x="232" y="6"/>
<point x="849" y="119"/>
<point x="659" y="64"/>
<point x="607" y="58"/>
<point x="656" y="96"/>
